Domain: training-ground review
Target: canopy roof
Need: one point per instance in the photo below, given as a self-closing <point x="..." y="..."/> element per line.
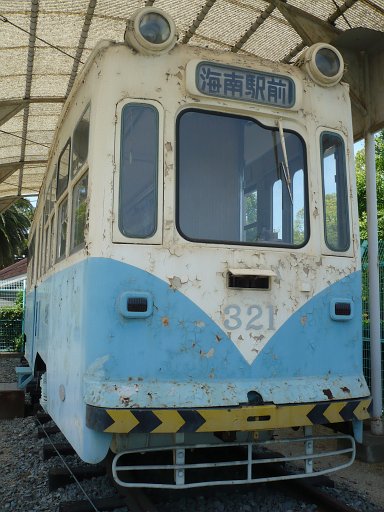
<point x="44" y="44"/>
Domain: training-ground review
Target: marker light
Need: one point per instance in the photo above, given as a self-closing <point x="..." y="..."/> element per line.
<point x="151" y="31"/>
<point x="323" y="63"/>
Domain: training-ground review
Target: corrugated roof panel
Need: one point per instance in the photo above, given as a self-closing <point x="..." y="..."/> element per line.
<point x="21" y="6"/>
<point x="359" y="16"/>
<point x="211" y="43"/>
<point x="11" y="36"/>
<point x="61" y="29"/>
<point x="116" y="8"/>
<point x="12" y="87"/>
<point x="50" y="85"/>
<point x="63" y="6"/>
<point x="9" y="153"/>
<point x="48" y="61"/>
<point x="14" y="124"/>
<point x="10" y="141"/>
<point x="183" y="14"/>
<point x="13" y="62"/>
<point x="271" y="41"/>
<point x="32" y="178"/>
<point x="226" y="22"/>
<point x="9" y="186"/>
<point x="319" y="8"/>
<point x="105" y="28"/>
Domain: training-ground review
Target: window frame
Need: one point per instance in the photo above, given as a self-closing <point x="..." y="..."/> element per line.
<point x="246" y="116"/>
<point x="78" y="177"/>
<point x="326" y="249"/>
<point x="117" y="235"/>
<point x="61" y="257"/>
<point x="79" y="170"/>
<point x="59" y="192"/>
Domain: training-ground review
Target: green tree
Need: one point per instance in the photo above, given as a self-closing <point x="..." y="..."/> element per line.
<point x="14" y="227"/>
<point x="361" y="187"/>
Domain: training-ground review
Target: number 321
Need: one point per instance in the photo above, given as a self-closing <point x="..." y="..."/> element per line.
<point x="234" y="317"/>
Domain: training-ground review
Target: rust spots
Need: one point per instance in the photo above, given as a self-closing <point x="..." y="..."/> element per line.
<point x="328" y="393"/>
<point x="168" y="146"/>
<point x="125" y="400"/>
<point x="303" y="320"/>
<point x="165" y="321"/>
<point x="207" y="354"/>
<point x="345" y="389"/>
<point x="175" y="282"/>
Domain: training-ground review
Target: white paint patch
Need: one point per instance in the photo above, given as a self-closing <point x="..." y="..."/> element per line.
<point x="96" y="369"/>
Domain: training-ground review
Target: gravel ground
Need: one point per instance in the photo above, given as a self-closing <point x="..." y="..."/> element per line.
<point x="24" y="479"/>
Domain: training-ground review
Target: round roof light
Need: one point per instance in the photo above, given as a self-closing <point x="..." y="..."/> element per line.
<point x="151" y="31"/>
<point x="323" y="63"/>
<point x="154" y="28"/>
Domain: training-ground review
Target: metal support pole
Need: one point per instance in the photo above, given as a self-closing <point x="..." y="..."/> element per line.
<point x="374" y="286"/>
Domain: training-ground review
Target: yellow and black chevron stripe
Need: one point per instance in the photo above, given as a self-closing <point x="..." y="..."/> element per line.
<point x="247" y="418"/>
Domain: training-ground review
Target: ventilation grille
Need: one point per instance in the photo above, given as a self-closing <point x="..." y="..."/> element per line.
<point x="249" y="281"/>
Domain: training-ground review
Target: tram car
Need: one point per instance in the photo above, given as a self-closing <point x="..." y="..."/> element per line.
<point x="194" y="274"/>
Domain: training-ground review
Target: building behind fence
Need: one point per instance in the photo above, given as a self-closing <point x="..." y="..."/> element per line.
<point x="366" y="322"/>
<point x="12" y="288"/>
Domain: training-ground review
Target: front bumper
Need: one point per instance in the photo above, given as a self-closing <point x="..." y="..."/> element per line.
<point x="223" y="419"/>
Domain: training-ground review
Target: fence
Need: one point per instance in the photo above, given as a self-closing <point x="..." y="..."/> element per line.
<point x="11" y="323"/>
<point x="365" y="300"/>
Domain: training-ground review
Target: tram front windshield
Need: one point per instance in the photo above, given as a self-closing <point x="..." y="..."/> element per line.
<point x="235" y="184"/>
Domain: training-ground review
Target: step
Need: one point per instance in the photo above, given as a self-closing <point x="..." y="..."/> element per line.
<point x="12" y="400"/>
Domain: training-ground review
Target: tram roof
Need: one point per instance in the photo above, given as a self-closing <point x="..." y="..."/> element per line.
<point x="44" y="44"/>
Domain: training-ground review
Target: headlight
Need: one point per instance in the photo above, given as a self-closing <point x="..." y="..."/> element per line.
<point x="151" y="31"/>
<point x="323" y="63"/>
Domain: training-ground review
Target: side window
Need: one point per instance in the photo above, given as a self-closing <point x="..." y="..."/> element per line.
<point x="47" y="197"/>
<point x="31" y="258"/>
<point x="62" y="223"/>
<point x="335" y="192"/>
<point x="79" y="212"/>
<point x="53" y="188"/>
<point x="138" y="171"/>
<point x="51" y="256"/>
<point x="80" y="142"/>
<point x="63" y="169"/>
<point x="40" y="251"/>
<point x="47" y="247"/>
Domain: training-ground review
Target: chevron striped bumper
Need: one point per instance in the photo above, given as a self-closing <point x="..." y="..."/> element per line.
<point x="247" y="418"/>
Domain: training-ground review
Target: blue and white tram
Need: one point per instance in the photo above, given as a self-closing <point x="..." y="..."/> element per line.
<point x="194" y="278"/>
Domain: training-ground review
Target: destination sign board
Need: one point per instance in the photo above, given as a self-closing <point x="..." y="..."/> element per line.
<point x="245" y="85"/>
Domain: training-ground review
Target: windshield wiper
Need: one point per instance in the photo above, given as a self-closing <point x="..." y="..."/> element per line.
<point x="284" y="165"/>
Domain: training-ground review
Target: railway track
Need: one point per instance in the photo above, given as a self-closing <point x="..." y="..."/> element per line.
<point x="135" y="500"/>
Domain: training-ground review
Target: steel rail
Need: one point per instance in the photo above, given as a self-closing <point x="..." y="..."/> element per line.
<point x="88" y="498"/>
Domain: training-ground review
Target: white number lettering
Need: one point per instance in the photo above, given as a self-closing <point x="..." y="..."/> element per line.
<point x="233" y="320"/>
<point x="235" y="317"/>
<point x="250" y="324"/>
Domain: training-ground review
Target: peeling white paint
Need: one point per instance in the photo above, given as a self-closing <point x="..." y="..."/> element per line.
<point x="96" y="369"/>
